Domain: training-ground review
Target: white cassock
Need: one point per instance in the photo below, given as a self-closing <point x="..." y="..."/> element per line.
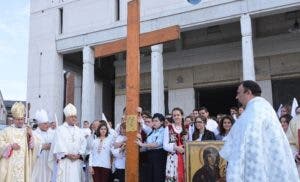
<point x="67" y="140"/>
<point x="292" y="135"/>
<point x="41" y="170"/>
<point x="257" y="148"/>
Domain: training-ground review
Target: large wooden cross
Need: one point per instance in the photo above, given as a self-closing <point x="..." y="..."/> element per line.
<point x="132" y="45"/>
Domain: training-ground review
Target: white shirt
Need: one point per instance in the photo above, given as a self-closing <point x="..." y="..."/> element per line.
<point x="212" y="126"/>
<point x="191" y="131"/>
<point x="167" y="145"/>
<point x="119" y="156"/>
<point x="101" y="152"/>
<point x="86" y="132"/>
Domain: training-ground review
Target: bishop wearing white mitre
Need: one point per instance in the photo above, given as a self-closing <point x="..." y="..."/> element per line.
<point x="41" y="170"/>
<point x="68" y="148"/>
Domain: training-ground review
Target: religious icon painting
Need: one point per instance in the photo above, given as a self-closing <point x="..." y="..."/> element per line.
<point x="203" y="162"/>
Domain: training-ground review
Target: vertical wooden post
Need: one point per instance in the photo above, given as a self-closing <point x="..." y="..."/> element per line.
<point x="132" y="45"/>
<point x="132" y="90"/>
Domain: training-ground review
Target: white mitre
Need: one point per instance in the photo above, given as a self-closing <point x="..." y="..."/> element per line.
<point x="70" y="110"/>
<point x="41" y="116"/>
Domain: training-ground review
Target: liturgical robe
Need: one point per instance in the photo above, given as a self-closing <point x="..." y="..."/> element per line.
<point x="67" y="140"/>
<point x="15" y="165"/>
<point x="257" y="148"/>
<point x="293" y="137"/>
<point x="41" y="170"/>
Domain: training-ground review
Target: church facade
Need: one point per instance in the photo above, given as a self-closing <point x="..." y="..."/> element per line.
<point x="221" y="43"/>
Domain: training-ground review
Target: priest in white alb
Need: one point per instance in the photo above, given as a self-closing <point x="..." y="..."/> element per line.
<point x="44" y="137"/>
<point x="256" y="147"/>
<point x="68" y="148"/>
<point x="293" y="135"/>
<point x="16" y="148"/>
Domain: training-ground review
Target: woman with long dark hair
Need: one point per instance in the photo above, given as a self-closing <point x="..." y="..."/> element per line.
<point x="225" y="125"/>
<point x="100" y="156"/>
<point x="174" y="139"/>
<point x="200" y="132"/>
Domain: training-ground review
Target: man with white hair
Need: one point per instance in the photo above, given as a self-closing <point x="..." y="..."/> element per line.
<point x="41" y="171"/>
<point x="68" y="148"/>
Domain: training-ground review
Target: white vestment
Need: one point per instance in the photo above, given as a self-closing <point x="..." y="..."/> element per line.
<point x="292" y="135"/>
<point x="257" y="148"/>
<point x="67" y="140"/>
<point x="41" y="170"/>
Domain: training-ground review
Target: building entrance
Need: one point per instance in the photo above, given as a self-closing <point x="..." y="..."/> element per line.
<point x="284" y="90"/>
<point x="217" y="99"/>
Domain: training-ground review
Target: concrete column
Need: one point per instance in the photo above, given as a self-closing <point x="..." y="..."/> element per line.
<point x="157" y="80"/>
<point x="78" y="95"/>
<point x="247" y="46"/>
<point x="88" y="85"/>
<point x="98" y="99"/>
<point x="266" y="88"/>
<point x="120" y="103"/>
<point x="183" y="98"/>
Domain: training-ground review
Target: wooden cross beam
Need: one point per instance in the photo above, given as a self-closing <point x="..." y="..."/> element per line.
<point x="132" y="45"/>
<point x="146" y="39"/>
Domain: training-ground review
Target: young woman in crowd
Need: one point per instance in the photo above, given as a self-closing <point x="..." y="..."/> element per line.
<point x="118" y="152"/>
<point x="100" y="155"/>
<point x="187" y="121"/>
<point x="168" y="120"/>
<point x="200" y="132"/>
<point x="224" y="126"/>
<point x="174" y="138"/>
<point x="285" y="121"/>
<point x="156" y="156"/>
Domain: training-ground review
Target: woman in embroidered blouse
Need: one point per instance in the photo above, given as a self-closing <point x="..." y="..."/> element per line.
<point x="100" y="156"/>
<point x="174" y="138"/>
<point x="224" y="127"/>
<point x="200" y="132"/>
<point x="156" y="156"/>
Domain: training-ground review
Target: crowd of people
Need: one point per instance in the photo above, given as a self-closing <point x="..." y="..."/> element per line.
<point x="96" y="152"/>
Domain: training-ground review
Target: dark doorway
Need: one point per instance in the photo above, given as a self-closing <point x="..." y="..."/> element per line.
<point x="284" y="91"/>
<point x="105" y="71"/>
<point x="145" y="102"/>
<point x="217" y="99"/>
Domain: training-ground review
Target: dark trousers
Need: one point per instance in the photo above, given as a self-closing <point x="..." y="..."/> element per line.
<point x="143" y="167"/>
<point x="156" y="167"/>
<point x="101" y="174"/>
<point x="120" y="175"/>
